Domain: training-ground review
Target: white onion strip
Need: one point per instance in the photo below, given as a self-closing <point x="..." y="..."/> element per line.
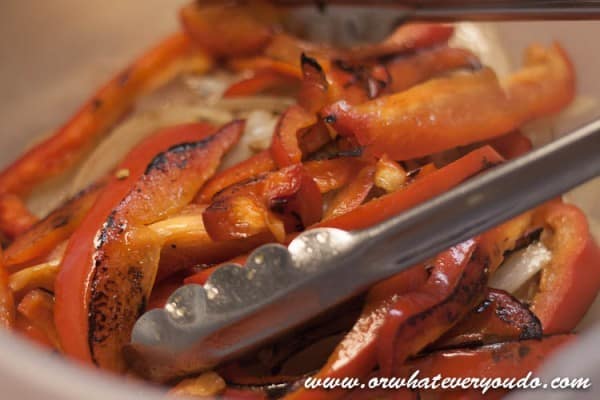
<point x="520" y="266"/>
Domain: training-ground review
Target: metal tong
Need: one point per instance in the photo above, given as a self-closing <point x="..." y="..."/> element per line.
<point x="240" y="308"/>
<point x="478" y="10"/>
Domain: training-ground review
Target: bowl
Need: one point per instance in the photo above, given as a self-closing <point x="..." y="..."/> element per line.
<point x="54" y="54"/>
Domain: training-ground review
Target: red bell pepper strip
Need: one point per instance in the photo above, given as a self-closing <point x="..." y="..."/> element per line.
<point x="15" y="218"/>
<point x="355" y="356"/>
<point x="259" y="82"/>
<point x="353" y="195"/>
<point x="99" y="292"/>
<point x="513" y="359"/>
<point x="249" y="168"/>
<point x="443" y="113"/>
<point x="499" y="318"/>
<point x="282" y="201"/>
<point x="423" y="188"/>
<point x="456" y="284"/>
<point x="261" y="63"/>
<point x="64" y="148"/>
<point x="313" y="94"/>
<point x="404" y="72"/>
<point x="42" y="238"/>
<point x="285" y="148"/>
<point x="230" y="29"/>
<point x="570" y="282"/>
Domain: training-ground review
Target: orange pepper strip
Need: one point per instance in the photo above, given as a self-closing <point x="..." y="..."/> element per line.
<point x="249" y="168"/>
<point x="570" y="282"/>
<point x="7" y="301"/>
<point x="355" y="356"/>
<point x="353" y="195"/>
<point x="99" y="294"/>
<point x="444" y="113"/>
<point x="15" y="218"/>
<point x="456" y="284"/>
<point x="65" y="147"/>
<point x="285" y="148"/>
<point x="51" y="231"/>
<point x="405" y="72"/>
<point x="230" y="29"/>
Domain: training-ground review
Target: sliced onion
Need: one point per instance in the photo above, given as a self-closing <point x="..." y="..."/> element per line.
<point x="520" y="266"/>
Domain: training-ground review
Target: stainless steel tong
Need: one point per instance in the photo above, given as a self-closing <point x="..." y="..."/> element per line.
<point x="240" y="308"/>
<point x="461" y="10"/>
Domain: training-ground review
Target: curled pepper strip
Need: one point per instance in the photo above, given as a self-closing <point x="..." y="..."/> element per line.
<point x="404" y="72"/>
<point x="499" y="318"/>
<point x="443" y="113"/>
<point x="571" y="281"/>
<point x="285" y="148"/>
<point x="101" y="274"/>
<point x="354" y="194"/>
<point x="62" y="150"/>
<point x="247" y="169"/>
<point x="15" y="218"/>
<point x="259" y="82"/>
<point x="456" y="284"/>
<point x="283" y="201"/>
<point x="51" y="231"/>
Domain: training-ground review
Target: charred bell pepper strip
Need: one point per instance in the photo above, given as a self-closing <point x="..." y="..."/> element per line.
<point x="43" y="237"/>
<point x="465" y="108"/>
<point x="259" y="82"/>
<point x="570" y="282"/>
<point x="353" y="195"/>
<point x="456" y="284"/>
<point x="247" y="169"/>
<point x="98" y="292"/>
<point x="230" y="29"/>
<point x="513" y="359"/>
<point x="62" y="150"/>
<point x="404" y="72"/>
<point x="355" y="356"/>
<point x="423" y="188"/>
<point x="499" y="318"/>
<point x="283" y="201"/>
<point x="313" y="93"/>
<point x="15" y="218"/>
<point x="285" y="148"/>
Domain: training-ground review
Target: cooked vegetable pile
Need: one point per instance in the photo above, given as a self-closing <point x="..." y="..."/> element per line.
<point x="354" y="136"/>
